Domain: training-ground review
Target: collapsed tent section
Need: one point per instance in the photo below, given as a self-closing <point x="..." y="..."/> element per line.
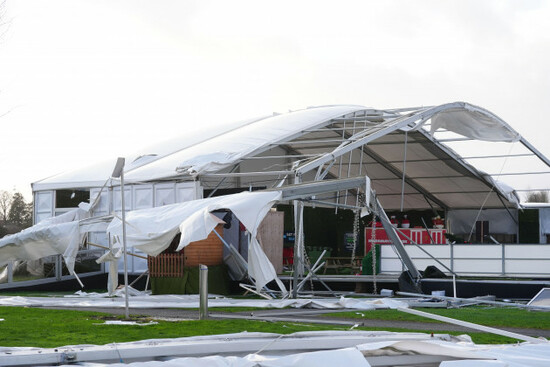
<point x="152" y="230"/>
<point x="456" y="164"/>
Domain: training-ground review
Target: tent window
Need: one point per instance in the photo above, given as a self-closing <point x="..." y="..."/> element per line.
<point x="71" y="198"/>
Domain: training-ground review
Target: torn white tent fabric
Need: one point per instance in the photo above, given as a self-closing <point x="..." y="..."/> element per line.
<point x="52" y="236"/>
<point x="475" y="123"/>
<point x="152" y="230"/>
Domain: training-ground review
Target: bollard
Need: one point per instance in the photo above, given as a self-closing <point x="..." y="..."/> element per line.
<point x="203" y="292"/>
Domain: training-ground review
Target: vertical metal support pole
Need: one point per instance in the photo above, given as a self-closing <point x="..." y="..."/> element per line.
<point x="122" y="194"/>
<point x="454" y="286"/>
<point x="452" y="257"/>
<point x="298" y="268"/>
<point x="203" y="289"/>
<point x="404" y="170"/>
<point x="503" y="257"/>
<point x="298" y="246"/>
<point x="10" y="272"/>
<point x="340" y="168"/>
<point x="58" y="267"/>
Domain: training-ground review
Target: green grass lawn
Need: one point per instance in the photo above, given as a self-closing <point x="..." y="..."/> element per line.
<point x="53" y="328"/>
<point x="488" y="316"/>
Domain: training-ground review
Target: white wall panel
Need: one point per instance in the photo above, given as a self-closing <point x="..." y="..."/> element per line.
<point x="102" y="206"/>
<point x="187" y="191"/>
<point x="43" y="205"/>
<point x="143" y="196"/>
<point x="478" y="266"/>
<point x="521" y="260"/>
<point x="38" y="217"/>
<point x="165" y="194"/>
<point x="527" y="251"/>
<point x="535" y="267"/>
<point x="127" y="198"/>
<point x="477" y="251"/>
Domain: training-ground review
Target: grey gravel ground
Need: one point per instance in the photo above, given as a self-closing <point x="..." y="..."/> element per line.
<point x="304" y="315"/>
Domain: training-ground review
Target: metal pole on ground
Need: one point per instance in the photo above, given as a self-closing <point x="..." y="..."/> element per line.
<point x="203" y="289"/>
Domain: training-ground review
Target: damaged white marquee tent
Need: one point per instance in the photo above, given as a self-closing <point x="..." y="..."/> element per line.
<point x="415" y="159"/>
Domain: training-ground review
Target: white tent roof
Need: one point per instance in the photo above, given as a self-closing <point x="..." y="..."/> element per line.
<point x="97" y="174"/>
<point x="209" y="145"/>
<point x="224" y="150"/>
<point x="341" y="141"/>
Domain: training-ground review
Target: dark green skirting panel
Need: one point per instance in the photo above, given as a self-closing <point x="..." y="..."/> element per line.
<point x="218" y="282"/>
<point x="367" y="262"/>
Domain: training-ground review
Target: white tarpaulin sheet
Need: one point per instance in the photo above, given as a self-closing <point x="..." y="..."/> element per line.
<point x="152" y="230"/>
<point x="52" y="236"/>
<point x="474" y="123"/>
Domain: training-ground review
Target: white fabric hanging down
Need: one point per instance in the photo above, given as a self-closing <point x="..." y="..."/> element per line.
<point x="152" y="230"/>
<point x="52" y="236"/>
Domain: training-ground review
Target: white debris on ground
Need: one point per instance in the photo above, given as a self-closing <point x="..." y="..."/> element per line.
<point x="327" y="348"/>
<point x="126" y="323"/>
<point x="319" y="349"/>
<point x="82" y="299"/>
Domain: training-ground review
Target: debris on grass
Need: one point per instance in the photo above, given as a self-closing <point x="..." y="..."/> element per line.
<point x="126" y="323"/>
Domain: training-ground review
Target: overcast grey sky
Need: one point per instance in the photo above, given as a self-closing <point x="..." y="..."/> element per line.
<point x="82" y="81"/>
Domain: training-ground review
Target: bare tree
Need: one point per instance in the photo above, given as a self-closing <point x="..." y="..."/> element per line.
<point x="5" y="204"/>
<point x="538" y="197"/>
